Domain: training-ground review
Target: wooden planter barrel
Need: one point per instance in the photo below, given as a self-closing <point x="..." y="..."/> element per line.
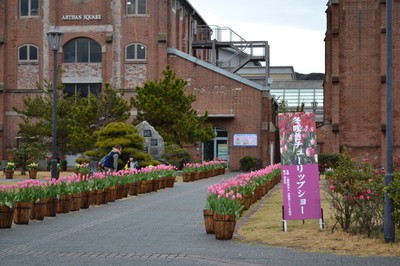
<point x="224" y="226"/>
<point x="22" y="212"/>
<point x="6" y="216"/>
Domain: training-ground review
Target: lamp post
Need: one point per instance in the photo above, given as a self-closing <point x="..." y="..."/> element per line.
<point x="388" y="223"/>
<point x="314" y="105"/>
<point x="54" y="37"/>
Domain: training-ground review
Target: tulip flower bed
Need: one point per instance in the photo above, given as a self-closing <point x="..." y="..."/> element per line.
<point x="230" y="197"/>
<point x="196" y="171"/>
<point x="49" y="197"/>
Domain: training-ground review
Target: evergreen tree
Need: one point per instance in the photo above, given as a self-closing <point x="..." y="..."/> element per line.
<point x="77" y="118"/>
<point x="123" y="134"/>
<point x="168" y="109"/>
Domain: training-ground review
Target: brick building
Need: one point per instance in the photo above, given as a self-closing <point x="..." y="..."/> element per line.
<point x="125" y="43"/>
<point x="355" y="84"/>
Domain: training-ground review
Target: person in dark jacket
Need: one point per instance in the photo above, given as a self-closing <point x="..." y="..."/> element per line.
<point x="111" y="162"/>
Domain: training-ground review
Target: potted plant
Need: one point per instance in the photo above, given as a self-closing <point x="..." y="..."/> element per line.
<point x="58" y="169"/>
<point x="7" y="201"/>
<point x="83" y="170"/>
<point x="227" y="210"/>
<point x="23" y="203"/>
<point x="52" y="193"/>
<point x="39" y="200"/>
<point x="225" y="202"/>
<point x="33" y="168"/>
<point x="9" y="170"/>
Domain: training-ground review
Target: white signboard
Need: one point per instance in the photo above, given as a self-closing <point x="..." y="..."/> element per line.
<point x="245" y="140"/>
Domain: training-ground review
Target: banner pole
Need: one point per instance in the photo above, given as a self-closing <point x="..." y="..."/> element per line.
<point x="284" y="222"/>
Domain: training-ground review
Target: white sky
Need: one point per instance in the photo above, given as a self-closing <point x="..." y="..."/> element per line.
<point x="294" y="29"/>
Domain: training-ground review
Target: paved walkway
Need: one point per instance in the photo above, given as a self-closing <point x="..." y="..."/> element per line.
<point x="159" y="228"/>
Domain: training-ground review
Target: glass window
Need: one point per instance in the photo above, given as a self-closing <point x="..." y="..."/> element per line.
<point x="154" y="142"/>
<point x="136" y="51"/>
<point x="82" y="50"/>
<point x="28" y="53"/>
<point x="173" y="5"/>
<point x="136" y="7"/>
<point x="146" y="133"/>
<point x="83" y="89"/>
<point x="29" y="8"/>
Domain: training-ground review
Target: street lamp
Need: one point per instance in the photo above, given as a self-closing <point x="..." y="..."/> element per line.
<point x="388" y="221"/>
<point x="54" y="37"/>
<point x="314" y="105"/>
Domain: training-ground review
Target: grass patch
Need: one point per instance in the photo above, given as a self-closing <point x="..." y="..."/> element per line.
<point x="265" y="227"/>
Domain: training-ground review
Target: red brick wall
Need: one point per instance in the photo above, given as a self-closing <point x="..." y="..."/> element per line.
<point x="355" y="88"/>
<point x="218" y="94"/>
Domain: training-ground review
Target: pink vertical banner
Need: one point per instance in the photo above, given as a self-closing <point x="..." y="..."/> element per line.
<point x="299" y="158"/>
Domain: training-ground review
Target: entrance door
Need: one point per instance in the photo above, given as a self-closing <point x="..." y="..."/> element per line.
<point x="218" y="147"/>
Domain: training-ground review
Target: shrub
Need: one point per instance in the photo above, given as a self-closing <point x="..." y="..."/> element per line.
<point x="64" y="165"/>
<point x="82" y="160"/>
<point x="176" y="156"/>
<point x="356" y="194"/>
<point x="326" y="161"/>
<point x="393" y="190"/>
<point x="248" y="163"/>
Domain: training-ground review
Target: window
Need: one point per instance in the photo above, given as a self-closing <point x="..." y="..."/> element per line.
<point x="136" y="7"/>
<point x="28" y="53"/>
<point x="82" y="50"/>
<point x="136" y="52"/>
<point x="29" y="8"/>
<point x="83" y="89"/>
<point x="173" y="5"/>
<point x="146" y="133"/>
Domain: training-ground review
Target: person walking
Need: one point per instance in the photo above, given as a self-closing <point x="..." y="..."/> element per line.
<point x="111" y="160"/>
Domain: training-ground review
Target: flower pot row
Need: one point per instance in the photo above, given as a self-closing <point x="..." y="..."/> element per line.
<point x="227" y="200"/>
<point x="36" y="199"/>
<point x="197" y="171"/>
<point x="23" y="212"/>
<point x="194" y="176"/>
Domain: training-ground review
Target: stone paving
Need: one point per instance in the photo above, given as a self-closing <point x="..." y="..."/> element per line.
<point x="158" y="228"/>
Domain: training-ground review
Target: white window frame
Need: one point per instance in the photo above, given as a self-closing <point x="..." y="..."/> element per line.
<point x="77" y="49"/>
<point x="136" y="7"/>
<point x="28" y="51"/>
<point x="136" y="59"/>
<point x="29" y="2"/>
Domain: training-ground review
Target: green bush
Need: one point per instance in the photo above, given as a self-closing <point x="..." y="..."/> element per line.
<point x="393" y="190"/>
<point x="248" y="163"/>
<point x="82" y="160"/>
<point x="326" y="161"/>
<point x="176" y="156"/>
<point x="355" y="192"/>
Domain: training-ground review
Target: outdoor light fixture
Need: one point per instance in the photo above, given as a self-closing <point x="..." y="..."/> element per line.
<point x="314" y="105"/>
<point x="54" y="37"/>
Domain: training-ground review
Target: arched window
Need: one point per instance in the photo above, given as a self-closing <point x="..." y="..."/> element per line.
<point x="136" y="7"/>
<point x="29" y="8"/>
<point x="28" y="53"/>
<point x="82" y="50"/>
<point x="136" y="52"/>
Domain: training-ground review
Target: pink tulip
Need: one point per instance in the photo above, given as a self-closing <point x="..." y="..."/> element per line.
<point x="310" y="152"/>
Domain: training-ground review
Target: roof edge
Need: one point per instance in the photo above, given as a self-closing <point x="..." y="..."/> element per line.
<point x="217" y="69"/>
